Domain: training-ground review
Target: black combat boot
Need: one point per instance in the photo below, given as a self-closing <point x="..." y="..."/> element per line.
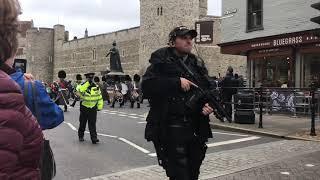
<point x="95" y="141"/>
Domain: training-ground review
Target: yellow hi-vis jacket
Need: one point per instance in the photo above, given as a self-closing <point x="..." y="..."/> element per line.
<point x="90" y="97"/>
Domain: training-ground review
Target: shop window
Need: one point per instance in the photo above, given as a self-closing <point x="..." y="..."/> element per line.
<point x="254" y="15"/>
<point x="310" y="69"/>
<point x="273" y="72"/>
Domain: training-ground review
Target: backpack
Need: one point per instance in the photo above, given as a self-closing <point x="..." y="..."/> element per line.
<point x="47" y="164"/>
<point x="49" y="114"/>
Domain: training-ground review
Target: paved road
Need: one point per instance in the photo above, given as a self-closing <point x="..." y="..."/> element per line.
<point x="122" y="144"/>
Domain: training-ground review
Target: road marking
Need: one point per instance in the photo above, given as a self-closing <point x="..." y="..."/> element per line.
<point x="309" y="165"/>
<point x="71" y="126"/>
<point x="123" y="115"/>
<point x="135" y="146"/>
<point x="153" y="154"/>
<point x="222" y="143"/>
<point x="106" y="135"/>
<point x="113" y="113"/>
<point x="142" y="122"/>
<point x="115" y="137"/>
<point x="233" y="141"/>
<point x="132" y="117"/>
<point x="230" y="134"/>
<point x="133" y="114"/>
<point x="285" y="173"/>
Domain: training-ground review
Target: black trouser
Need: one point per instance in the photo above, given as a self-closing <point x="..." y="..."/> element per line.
<point x="74" y="102"/>
<point x="88" y="115"/>
<point x="184" y="156"/>
<point x="227" y="99"/>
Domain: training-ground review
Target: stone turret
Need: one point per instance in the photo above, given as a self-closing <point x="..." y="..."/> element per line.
<point x="158" y="18"/>
<point x="40" y="53"/>
<point x="86" y="33"/>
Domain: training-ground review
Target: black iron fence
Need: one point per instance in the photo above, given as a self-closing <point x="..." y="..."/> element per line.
<point x="271" y="100"/>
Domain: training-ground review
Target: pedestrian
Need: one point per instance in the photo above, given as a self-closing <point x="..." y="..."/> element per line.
<point x="124" y="89"/>
<point x="229" y="87"/>
<point x="102" y="88"/>
<point x="21" y="138"/>
<point x="106" y="84"/>
<point x="75" y="85"/>
<point x="48" y="114"/>
<point x="117" y="92"/>
<point x="178" y="133"/>
<point x="135" y="91"/>
<point x="63" y="93"/>
<point x="91" y="102"/>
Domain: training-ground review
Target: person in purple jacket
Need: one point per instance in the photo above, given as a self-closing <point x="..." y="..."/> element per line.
<point x="21" y="138"/>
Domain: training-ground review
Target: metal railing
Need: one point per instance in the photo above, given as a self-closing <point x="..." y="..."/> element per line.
<point x="274" y="99"/>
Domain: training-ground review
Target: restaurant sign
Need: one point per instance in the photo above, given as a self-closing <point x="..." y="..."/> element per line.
<point x="294" y="39"/>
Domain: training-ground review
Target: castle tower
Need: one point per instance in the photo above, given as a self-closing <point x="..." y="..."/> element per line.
<point x="158" y="18"/>
<point x="40" y="53"/>
<point x="59" y="39"/>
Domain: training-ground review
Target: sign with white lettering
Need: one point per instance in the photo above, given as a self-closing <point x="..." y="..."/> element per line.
<point x="205" y="32"/>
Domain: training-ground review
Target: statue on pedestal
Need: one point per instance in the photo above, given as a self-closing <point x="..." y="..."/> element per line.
<point x="115" y="63"/>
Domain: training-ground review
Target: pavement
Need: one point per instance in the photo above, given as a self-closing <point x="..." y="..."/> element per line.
<point x="282" y="126"/>
<point x="123" y="147"/>
<point x="287" y="159"/>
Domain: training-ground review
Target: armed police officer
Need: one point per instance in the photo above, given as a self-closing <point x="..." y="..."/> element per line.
<point x="91" y="102"/>
<point x="179" y="133"/>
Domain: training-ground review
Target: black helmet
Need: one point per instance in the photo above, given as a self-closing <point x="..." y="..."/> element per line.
<point x="136" y="78"/>
<point x="62" y="74"/>
<point x="96" y="79"/>
<point x="89" y="75"/>
<point x="78" y="77"/>
<point x="181" y="31"/>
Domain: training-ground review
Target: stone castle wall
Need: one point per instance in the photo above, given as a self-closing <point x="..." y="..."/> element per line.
<point x="49" y="50"/>
<point x="85" y="55"/>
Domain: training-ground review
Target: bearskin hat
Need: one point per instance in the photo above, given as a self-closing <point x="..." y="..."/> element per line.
<point x="62" y="74"/>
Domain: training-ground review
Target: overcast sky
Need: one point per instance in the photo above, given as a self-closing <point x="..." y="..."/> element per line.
<point x="99" y="16"/>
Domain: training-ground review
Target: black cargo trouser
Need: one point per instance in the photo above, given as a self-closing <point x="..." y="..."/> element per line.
<point x="88" y="115"/>
<point x="185" y="153"/>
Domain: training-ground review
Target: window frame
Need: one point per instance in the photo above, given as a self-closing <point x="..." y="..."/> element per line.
<point x="247" y="19"/>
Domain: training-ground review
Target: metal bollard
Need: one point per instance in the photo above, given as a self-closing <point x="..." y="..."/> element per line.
<point x="260" y="106"/>
<point x="313" y="109"/>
